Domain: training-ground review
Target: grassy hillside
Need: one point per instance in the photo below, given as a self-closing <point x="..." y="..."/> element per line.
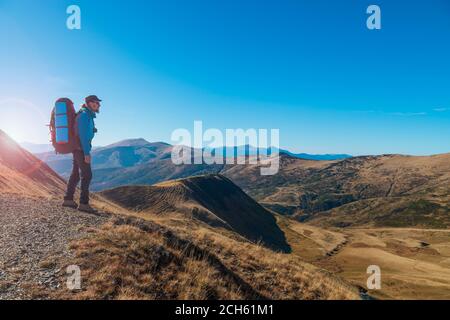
<point x="387" y="212"/>
<point x="212" y="199"/>
<point x="22" y="173"/>
<point x="388" y="190"/>
<point x="138" y="259"/>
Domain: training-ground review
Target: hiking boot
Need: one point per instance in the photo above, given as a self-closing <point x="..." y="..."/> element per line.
<point x="87" y="208"/>
<point x="70" y="204"/>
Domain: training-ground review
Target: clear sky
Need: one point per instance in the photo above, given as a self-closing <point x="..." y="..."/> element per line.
<point x="309" y="68"/>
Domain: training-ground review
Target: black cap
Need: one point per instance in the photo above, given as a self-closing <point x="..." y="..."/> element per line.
<point x="92" y="98"/>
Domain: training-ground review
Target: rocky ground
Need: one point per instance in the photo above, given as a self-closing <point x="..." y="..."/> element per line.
<point x="34" y="235"/>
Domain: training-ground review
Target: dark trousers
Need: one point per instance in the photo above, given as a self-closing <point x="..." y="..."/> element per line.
<point x="79" y="166"/>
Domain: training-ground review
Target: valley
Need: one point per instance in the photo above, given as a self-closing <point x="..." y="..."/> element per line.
<point x="414" y="263"/>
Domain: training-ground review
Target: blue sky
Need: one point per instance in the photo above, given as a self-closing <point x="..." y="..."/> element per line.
<point x="309" y="68"/>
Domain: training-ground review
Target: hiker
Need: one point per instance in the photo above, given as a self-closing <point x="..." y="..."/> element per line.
<point x="84" y="132"/>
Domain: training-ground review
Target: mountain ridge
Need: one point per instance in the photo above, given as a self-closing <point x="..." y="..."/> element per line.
<point x="212" y="199"/>
<point x="399" y="185"/>
<point x="135" y="161"/>
<point x="308" y="190"/>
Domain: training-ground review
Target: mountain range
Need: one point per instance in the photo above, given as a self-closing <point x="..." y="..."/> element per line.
<point x="137" y="161"/>
<point x="194" y="238"/>
<point x="226" y="232"/>
<point x="384" y="190"/>
<point x="239" y="151"/>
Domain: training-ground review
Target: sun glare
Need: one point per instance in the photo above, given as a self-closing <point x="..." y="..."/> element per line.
<point x="22" y="120"/>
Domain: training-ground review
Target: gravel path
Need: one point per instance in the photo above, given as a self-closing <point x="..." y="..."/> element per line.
<point x="34" y="235"/>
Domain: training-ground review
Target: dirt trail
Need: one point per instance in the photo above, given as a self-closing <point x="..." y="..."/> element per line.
<point x="338" y="248"/>
<point x="34" y="233"/>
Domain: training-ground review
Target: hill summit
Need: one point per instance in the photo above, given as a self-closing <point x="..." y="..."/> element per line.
<point x="212" y="199"/>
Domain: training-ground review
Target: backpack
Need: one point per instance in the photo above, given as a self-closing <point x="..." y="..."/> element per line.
<point x="62" y="126"/>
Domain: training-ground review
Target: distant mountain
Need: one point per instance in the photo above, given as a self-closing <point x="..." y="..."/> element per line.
<point x="247" y="150"/>
<point x="36" y="148"/>
<point x="317" y="156"/>
<point x="212" y="199"/>
<point x="137" y="161"/>
<point x="123" y="154"/>
<point x="138" y="142"/>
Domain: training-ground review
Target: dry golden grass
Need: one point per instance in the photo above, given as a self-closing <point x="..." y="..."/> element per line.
<point x="415" y="263"/>
<point x="124" y="262"/>
<point x="136" y="259"/>
<point x="276" y="275"/>
<point x="409" y="269"/>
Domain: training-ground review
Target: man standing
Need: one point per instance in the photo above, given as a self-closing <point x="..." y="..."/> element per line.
<point x="84" y="131"/>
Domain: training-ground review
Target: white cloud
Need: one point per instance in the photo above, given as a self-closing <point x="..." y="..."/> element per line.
<point x="408" y="114"/>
